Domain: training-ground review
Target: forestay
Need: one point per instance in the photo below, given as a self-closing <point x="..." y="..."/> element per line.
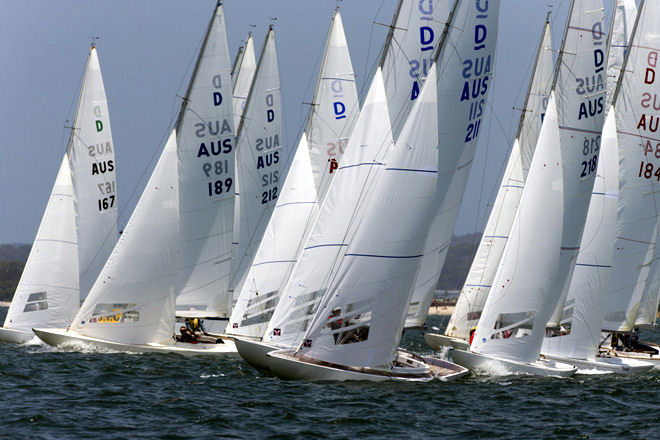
<point x="533" y="273"/>
<point x="352" y="186"/>
<point x="92" y="162"/>
<point x="297" y="206"/>
<point x="259" y="158"/>
<point x="133" y="299"/>
<point x="47" y="293"/>
<point x="205" y="141"/>
<point x="408" y="53"/>
<point x="639" y="171"/>
<point x="480" y="277"/>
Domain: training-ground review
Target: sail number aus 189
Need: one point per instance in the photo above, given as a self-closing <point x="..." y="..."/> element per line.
<point x="218" y="188"/>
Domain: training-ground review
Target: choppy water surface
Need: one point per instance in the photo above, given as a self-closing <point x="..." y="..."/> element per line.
<point x="60" y="394"/>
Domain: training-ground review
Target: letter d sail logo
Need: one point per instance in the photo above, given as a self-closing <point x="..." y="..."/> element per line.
<point x="99" y="125"/>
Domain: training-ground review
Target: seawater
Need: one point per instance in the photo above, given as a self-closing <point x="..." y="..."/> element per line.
<point x="48" y="393"/>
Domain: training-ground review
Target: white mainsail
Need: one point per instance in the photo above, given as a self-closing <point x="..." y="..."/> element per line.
<point x="92" y="161"/>
<point x="534" y="271"/>
<point x="133" y="299"/>
<point x="331" y="120"/>
<point x="334" y="110"/>
<point x="479" y="279"/>
<point x="47" y="293"/>
<point x="408" y="53"/>
<point x="259" y="157"/>
<point x="206" y="163"/>
<point x="62" y="267"/>
<point x="362" y="164"/>
<point x="639" y="192"/>
<point x="242" y="76"/>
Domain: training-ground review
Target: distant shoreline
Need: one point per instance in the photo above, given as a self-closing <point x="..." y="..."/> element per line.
<point x="5" y="303"/>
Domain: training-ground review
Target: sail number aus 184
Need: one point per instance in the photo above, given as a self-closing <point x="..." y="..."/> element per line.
<point x="648" y="171"/>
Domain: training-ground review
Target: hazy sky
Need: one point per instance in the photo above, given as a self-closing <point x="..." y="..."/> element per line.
<point x="146" y="50"/>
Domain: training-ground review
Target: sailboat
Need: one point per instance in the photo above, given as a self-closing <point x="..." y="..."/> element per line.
<point x="332" y="116"/>
<point x="361" y="273"/>
<point x="184" y="216"/>
<point x="79" y="225"/>
<point x="480" y="276"/>
<point x="577" y="340"/>
<point x="534" y="271"/>
<point x="634" y="271"/>
<point x="255" y="307"/>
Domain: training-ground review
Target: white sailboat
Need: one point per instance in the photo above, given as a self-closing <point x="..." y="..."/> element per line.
<point x="533" y="273"/>
<point x="79" y="225"/>
<point x="179" y="228"/>
<point x="577" y="339"/>
<point x="633" y="285"/>
<point x="332" y="117"/>
<point x="477" y="284"/>
<point x="363" y="279"/>
<point x="402" y="51"/>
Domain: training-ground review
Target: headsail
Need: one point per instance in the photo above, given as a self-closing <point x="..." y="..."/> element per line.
<point x="132" y="300"/>
<point x="47" y="293"/>
<point x="242" y="76"/>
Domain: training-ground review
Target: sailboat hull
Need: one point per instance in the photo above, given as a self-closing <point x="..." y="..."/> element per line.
<point x="490" y="365"/>
<point x="15" y="336"/>
<point x="255" y="353"/>
<point x="436" y="341"/>
<point x="285" y="365"/>
<point x="634" y="355"/>
<point x="606" y="364"/>
<point x="56" y="337"/>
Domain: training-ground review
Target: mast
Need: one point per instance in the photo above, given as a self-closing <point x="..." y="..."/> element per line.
<point x="625" y="60"/>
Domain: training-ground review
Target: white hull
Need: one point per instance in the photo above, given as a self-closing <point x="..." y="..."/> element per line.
<point x="437" y="341"/>
<point x="633" y="355"/>
<point x="490" y="365"/>
<point x="15" y="336"/>
<point x="255" y="353"/>
<point x="606" y="364"/>
<point x="285" y="365"/>
<point x="56" y="336"/>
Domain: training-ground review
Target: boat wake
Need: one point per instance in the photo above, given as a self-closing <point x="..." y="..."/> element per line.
<point x="79" y="347"/>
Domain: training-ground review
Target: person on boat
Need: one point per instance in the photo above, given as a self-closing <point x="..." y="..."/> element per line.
<point x="187" y="335"/>
<point x="615" y="340"/>
<point x="196" y="326"/>
<point x="334" y="323"/>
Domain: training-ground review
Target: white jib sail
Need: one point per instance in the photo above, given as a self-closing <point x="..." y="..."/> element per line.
<point x="625" y="12"/>
<point x="480" y="277"/>
<point x="532" y="279"/>
<point x="408" y="54"/>
<point x="206" y="164"/>
<point x="47" y="293"/>
<point x="352" y="186"/>
<point x="259" y="158"/>
<point x="242" y="77"/>
<point x="335" y="108"/>
<point x="331" y="121"/>
<point x="584" y="309"/>
<point x="520" y="295"/>
<point x="639" y="174"/>
<point x="278" y="250"/>
<point x="92" y="162"/>
<point x="133" y="299"/>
